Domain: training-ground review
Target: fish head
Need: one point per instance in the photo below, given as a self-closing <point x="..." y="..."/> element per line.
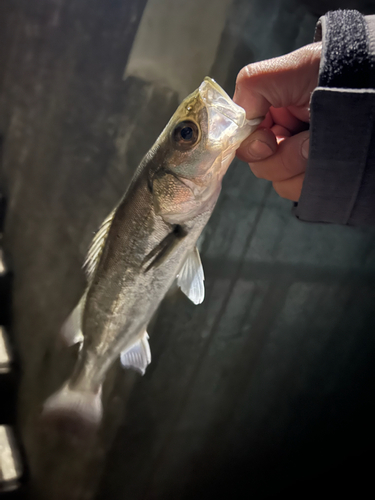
<point x="204" y="133"/>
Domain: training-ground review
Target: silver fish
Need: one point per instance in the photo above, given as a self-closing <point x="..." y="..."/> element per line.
<point x="147" y="241"/>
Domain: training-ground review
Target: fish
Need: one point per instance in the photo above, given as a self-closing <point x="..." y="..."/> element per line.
<point x="148" y="241"/>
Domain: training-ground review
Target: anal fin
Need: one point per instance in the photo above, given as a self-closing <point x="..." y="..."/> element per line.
<point x="71" y="331"/>
<point x="138" y="357"/>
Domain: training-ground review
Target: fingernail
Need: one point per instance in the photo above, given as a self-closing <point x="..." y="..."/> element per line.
<point x="259" y="150"/>
<point x="305" y="148"/>
<point x="236" y="93"/>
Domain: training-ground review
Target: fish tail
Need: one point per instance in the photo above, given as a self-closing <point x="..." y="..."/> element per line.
<point x="73" y="411"/>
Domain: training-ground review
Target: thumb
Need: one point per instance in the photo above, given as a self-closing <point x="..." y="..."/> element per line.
<point x="280" y="82"/>
<point x="289" y="160"/>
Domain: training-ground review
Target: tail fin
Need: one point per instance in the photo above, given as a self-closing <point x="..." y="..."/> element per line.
<point x="73" y="411"/>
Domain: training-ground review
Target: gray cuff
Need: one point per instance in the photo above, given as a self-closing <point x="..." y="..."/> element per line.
<point x="339" y="185"/>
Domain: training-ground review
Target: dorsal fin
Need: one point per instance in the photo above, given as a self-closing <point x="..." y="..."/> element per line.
<point x="97" y="245"/>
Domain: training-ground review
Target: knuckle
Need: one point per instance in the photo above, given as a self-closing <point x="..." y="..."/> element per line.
<point x="247" y="72"/>
<point x="241" y="79"/>
<point x="241" y="75"/>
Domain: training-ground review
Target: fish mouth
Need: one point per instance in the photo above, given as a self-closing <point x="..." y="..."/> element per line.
<point x="216" y="97"/>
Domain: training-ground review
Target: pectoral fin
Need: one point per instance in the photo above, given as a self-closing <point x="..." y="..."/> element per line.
<point x="164" y="249"/>
<point x="138" y="357"/>
<point x="191" y="278"/>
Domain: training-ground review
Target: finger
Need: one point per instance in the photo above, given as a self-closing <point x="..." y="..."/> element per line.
<point x="280" y="131"/>
<point x="284" y="81"/>
<point x="291" y="188"/>
<point x="284" y="117"/>
<point x="288" y="161"/>
<point x="267" y="122"/>
<point x="258" y="146"/>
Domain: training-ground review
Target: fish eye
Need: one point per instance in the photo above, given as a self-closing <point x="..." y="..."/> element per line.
<point x="186" y="134"/>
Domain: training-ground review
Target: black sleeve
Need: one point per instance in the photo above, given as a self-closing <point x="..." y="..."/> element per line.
<point x="339" y="185"/>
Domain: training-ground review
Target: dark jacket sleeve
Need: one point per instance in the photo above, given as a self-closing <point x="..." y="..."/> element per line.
<point x="339" y="185"/>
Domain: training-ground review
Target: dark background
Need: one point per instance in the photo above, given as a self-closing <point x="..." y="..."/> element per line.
<point x="266" y="388"/>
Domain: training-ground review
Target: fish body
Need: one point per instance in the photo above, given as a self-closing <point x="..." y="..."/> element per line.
<point x="147" y="241"/>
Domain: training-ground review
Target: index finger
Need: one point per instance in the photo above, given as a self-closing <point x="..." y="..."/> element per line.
<point x="280" y="82"/>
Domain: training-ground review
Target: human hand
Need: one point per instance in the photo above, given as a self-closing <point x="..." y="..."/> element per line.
<point x="280" y="90"/>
